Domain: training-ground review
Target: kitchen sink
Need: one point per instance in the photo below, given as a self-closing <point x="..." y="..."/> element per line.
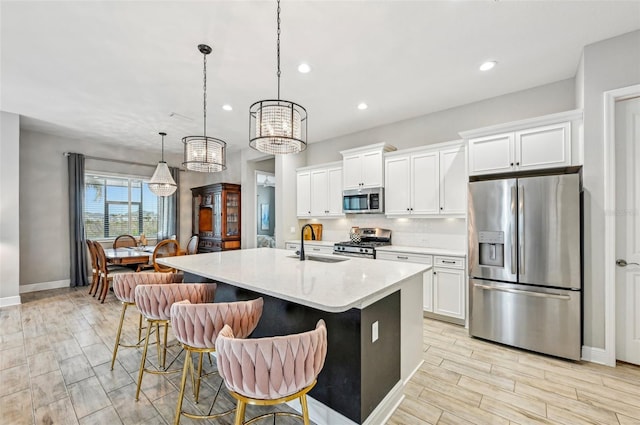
<point x="321" y="259"/>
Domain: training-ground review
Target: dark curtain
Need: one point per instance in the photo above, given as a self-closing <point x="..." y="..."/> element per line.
<point x="77" y="243"/>
<point x="170" y="211"/>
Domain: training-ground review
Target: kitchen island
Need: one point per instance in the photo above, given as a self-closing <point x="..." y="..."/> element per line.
<point x="373" y="311"/>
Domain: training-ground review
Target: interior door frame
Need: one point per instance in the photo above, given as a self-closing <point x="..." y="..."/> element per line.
<point x="609" y="141"/>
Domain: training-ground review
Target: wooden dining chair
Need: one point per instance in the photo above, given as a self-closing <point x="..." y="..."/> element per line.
<point x="124" y="241"/>
<point x="95" y="271"/>
<point x="106" y="272"/>
<point x="166" y="248"/>
<point x="192" y="245"/>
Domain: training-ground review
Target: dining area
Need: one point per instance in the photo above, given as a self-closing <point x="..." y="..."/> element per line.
<point x="130" y="254"/>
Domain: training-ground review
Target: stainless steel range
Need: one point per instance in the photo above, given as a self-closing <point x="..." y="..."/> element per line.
<point x="366" y="248"/>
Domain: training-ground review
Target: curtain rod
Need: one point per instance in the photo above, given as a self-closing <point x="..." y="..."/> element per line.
<point x="120" y="161"/>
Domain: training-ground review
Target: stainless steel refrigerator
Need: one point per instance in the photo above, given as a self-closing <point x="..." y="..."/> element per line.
<point x="525" y="269"/>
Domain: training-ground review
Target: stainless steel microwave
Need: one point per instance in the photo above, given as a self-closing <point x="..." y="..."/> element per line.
<point x="363" y="201"/>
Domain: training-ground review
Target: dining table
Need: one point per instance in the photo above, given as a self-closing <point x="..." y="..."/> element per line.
<point x="129" y="255"/>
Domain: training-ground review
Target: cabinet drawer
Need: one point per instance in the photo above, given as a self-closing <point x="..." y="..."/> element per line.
<point x="451" y="262"/>
<point x="409" y="258"/>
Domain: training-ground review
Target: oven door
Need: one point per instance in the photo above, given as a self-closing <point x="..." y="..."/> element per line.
<point x="354" y="254"/>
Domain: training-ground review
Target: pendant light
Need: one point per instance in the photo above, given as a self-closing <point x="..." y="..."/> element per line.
<point x="277" y="126"/>
<point x="161" y="183"/>
<point x="203" y="153"/>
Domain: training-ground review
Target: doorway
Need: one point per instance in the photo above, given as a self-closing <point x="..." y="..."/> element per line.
<point x="627" y="225"/>
<point x="265" y="209"/>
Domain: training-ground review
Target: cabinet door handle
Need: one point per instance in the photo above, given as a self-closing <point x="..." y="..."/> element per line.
<point x="316" y="249"/>
<point x="407" y="209"/>
<point x="402" y="257"/>
<point x="448" y="262"/>
<point x="517" y="163"/>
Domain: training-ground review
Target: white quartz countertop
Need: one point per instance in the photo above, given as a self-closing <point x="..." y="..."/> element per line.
<point x="332" y="287"/>
<point x="421" y="250"/>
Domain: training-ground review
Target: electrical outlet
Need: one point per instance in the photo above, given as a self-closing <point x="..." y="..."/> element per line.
<point x="374" y="331"/>
<point x="293" y="229"/>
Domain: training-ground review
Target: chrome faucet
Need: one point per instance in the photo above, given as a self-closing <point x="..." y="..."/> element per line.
<point x="313" y="237"/>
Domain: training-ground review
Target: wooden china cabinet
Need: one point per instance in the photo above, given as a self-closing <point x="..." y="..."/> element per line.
<point x="216" y="216"/>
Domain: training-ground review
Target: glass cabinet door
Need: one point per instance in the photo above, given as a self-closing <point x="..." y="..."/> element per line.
<point x="233" y="214"/>
<point x="217" y="214"/>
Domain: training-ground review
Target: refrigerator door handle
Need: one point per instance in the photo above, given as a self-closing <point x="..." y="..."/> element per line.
<point x="513" y="229"/>
<point x="521" y="225"/>
<point x="521" y="292"/>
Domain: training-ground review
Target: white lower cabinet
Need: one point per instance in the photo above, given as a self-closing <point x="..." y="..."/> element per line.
<point x="449" y="287"/>
<point x="443" y="286"/>
<point x="427" y="277"/>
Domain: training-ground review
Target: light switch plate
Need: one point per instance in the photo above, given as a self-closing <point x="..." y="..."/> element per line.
<point x="374" y="331"/>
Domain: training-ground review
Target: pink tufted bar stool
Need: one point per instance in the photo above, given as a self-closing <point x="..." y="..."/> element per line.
<point x="196" y="326"/>
<point x="124" y="286"/>
<point x="268" y="371"/>
<point x="154" y="302"/>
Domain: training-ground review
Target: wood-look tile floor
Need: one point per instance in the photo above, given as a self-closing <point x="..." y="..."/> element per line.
<point x="55" y="353"/>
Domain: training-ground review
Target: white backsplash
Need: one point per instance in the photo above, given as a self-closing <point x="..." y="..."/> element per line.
<point x="446" y="233"/>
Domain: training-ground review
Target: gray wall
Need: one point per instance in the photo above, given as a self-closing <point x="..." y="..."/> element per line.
<point x="9" y="208"/>
<point x="445" y="125"/>
<point x="44" y="227"/>
<point x="608" y="65"/>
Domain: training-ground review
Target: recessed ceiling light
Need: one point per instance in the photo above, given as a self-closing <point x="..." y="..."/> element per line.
<point x="227" y="107"/>
<point x="304" y="68"/>
<point x="362" y="106"/>
<point x="488" y="65"/>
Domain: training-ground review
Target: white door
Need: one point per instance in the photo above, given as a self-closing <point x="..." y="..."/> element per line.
<point x="543" y="147"/>
<point x="491" y="154"/>
<point x="334" y="195"/>
<point x="319" y="191"/>
<point x="303" y="198"/>
<point x="448" y="292"/>
<point x="352" y="171"/>
<point x="397" y="185"/>
<point x="627" y="135"/>
<point x="425" y="183"/>
<point x="453" y="182"/>
<point x="372" y="169"/>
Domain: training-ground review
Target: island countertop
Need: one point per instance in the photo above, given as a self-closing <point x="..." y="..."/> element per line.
<point x="331" y="287"/>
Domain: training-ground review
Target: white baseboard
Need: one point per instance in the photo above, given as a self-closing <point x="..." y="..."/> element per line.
<point x="597" y="355"/>
<point x="324" y="415"/>
<point x="43" y="286"/>
<point x="7" y="301"/>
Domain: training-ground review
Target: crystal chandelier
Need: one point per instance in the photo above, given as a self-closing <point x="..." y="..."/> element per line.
<point x="162" y="183"/>
<point x="277" y="126"/>
<point x="203" y="153"/>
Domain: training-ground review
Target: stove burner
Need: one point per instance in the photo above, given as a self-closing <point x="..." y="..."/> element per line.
<point x="371" y="238"/>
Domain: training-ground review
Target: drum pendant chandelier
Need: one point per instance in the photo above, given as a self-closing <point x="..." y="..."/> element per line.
<point x="203" y="153"/>
<point x="277" y="126"/>
<point x="162" y="183"/>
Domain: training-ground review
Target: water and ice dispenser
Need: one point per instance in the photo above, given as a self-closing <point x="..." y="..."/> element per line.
<point x="491" y="248"/>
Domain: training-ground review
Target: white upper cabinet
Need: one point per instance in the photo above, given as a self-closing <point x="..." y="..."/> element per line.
<point x="428" y="181"/>
<point x="364" y="167"/>
<point x="303" y="194"/>
<point x="453" y="181"/>
<point x="319" y="191"/>
<point x="546" y="142"/>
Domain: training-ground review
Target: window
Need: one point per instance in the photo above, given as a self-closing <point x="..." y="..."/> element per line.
<point x="116" y="205"/>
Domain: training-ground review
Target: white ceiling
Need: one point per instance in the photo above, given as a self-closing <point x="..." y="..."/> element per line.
<point x="115" y="71"/>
